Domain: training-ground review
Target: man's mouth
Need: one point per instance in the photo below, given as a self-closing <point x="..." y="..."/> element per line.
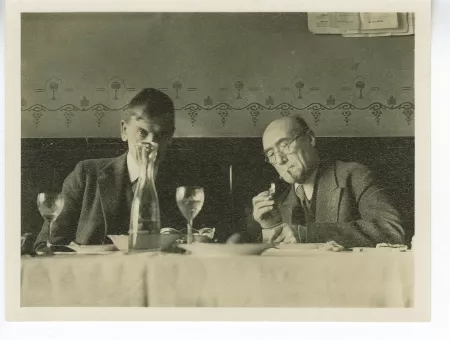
<point x="287" y="171"/>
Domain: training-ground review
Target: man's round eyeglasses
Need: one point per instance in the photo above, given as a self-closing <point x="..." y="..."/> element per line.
<point x="283" y="149"/>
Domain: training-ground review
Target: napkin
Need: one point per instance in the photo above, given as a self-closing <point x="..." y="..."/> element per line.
<point x="333" y="246"/>
<point x="399" y="247"/>
<point x="382" y="247"/>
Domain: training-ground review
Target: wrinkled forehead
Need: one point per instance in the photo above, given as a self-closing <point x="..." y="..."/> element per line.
<point x="277" y="131"/>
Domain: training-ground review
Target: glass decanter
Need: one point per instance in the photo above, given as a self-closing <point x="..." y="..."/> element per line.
<point x="145" y="223"/>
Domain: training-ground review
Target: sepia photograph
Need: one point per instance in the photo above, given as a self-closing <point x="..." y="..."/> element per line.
<point x="238" y="159"/>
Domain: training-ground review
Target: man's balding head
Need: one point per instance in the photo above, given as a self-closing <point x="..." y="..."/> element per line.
<point x="291" y="125"/>
<point x="289" y="145"/>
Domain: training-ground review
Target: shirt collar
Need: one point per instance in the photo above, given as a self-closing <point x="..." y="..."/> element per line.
<point x="133" y="168"/>
<point x="308" y="186"/>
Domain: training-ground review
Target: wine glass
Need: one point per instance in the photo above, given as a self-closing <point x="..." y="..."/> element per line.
<point x="50" y="206"/>
<point x="190" y="201"/>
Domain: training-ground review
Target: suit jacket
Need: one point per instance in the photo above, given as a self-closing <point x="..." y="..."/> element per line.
<point x="93" y="192"/>
<point x="352" y="208"/>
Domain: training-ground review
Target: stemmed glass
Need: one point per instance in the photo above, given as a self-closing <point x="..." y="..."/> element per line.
<point x="50" y="206"/>
<point x="190" y="201"/>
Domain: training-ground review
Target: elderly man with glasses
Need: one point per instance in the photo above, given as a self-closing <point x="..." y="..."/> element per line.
<point x="324" y="201"/>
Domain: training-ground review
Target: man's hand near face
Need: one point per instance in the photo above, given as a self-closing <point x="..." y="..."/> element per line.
<point x="267" y="214"/>
<point x="265" y="211"/>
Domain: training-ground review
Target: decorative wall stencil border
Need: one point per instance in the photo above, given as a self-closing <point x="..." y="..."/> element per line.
<point x="253" y="109"/>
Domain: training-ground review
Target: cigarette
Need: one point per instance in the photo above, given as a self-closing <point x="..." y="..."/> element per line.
<point x="282" y="174"/>
<point x="272" y="189"/>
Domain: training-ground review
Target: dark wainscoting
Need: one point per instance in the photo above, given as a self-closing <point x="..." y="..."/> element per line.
<point x="206" y="161"/>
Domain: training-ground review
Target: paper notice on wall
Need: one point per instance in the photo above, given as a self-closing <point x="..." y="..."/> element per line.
<point x="319" y="23"/>
<point x="351" y="24"/>
<point x="371" y="21"/>
<point x="363" y="35"/>
<point x="346" y="22"/>
<point x="405" y="27"/>
<point x="402" y="27"/>
<point x="411" y="24"/>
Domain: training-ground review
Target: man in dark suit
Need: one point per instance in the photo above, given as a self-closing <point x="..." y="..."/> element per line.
<point x="323" y="201"/>
<point x="98" y="192"/>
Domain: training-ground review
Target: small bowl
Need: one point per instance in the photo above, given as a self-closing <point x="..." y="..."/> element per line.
<point x="201" y="239"/>
<point x="196" y="238"/>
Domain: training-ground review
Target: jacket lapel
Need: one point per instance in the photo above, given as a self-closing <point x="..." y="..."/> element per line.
<point x="329" y="193"/>
<point x="288" y="201"/>
<point x="110" y="184"/>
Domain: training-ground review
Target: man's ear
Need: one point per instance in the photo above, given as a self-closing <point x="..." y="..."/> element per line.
<point x="123" y="130"/>
<point x="312" y="138"/>
<point x="169" y="141"/>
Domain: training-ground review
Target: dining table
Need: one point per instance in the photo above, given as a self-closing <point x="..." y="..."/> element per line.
<point x="376" y="278"/>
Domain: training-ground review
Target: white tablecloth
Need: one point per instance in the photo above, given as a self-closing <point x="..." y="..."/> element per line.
<point x="315" y="279"/>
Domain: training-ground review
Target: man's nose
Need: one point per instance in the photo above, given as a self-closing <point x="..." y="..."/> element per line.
<point x="149" y="138"/>
<point x="280" y="158"/>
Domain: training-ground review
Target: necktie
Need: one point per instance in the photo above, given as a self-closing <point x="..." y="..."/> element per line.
<point x="123" y="213"/>
<point x="134" y="185"/>
<point x="306" y="204"/>
<point x="129" y="194"/>
<point x="300" y="214"/>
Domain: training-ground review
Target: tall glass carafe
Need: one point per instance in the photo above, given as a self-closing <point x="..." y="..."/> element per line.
<point x="145" y="223"/>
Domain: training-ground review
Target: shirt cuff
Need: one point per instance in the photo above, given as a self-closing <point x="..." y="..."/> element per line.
<point x="273" y="226"/>
<point x="299" y="232"/>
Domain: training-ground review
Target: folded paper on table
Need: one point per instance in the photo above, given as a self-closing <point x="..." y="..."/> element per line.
<point x="399" y="247"/>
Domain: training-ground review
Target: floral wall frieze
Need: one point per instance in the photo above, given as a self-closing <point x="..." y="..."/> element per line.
<point x="222" y="110"/>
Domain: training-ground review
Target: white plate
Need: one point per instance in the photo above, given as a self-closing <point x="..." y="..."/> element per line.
<point x="225" y="249"/>
<point x="93" y="249"/>
<point x="74" y="249"/>
<point x="121" y="241"/>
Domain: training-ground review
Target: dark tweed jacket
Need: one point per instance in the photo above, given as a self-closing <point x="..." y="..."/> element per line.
<point x="92" y="201"/>
<point x="352" y="208"/>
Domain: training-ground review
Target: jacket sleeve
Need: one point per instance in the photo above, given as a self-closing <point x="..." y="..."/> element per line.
<point x="379" y="222"/>
<point x="65" y="226"/>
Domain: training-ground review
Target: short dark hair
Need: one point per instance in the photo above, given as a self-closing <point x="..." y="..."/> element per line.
<point x="154" y="103"/>
<point x="303" y="127"/>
